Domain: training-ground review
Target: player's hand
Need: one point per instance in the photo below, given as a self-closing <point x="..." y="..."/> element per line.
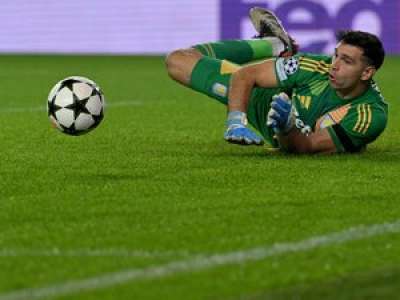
<point x="238" y="133"/>
<point x="282" y="114"/>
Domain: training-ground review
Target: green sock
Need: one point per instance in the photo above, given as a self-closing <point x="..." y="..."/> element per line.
<point x="241" y="51"/>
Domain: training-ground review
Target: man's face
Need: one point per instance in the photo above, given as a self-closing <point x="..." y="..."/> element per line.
<point x="348" y="68"/>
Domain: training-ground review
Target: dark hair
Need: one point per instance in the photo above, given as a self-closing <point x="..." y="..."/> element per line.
<point x="368" y="42"/>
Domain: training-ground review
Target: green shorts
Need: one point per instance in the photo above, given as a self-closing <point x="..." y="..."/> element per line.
<point x="212" y="77"/>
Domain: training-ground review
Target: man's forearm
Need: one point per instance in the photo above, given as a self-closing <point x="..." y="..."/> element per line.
<point x="315" y="142"/>
<point x="242" y="82"/>
<point x="260" y="74"/>
<point x="294" y="141"/>
<point x="240" y="90"/>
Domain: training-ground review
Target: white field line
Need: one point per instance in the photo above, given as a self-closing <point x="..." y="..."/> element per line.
<point x="43" y="108"/>
<point x="198" y="263"/>
<point x="55" y="252"/>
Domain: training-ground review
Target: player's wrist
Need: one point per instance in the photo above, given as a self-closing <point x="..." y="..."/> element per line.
<point x="294" y="124"/>
<point x="302" y="127"/>
<point x="236" y="118"/>
<point x="291" y="121"/>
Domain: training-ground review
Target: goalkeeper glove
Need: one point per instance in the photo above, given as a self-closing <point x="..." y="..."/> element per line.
<point x="282" y="114"/>
<point x="238" y="133"/>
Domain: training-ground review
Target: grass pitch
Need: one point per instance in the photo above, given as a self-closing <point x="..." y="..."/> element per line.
<point x="155" y="185"/>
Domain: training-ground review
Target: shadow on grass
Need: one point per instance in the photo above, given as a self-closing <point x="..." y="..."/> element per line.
<point x="375" y="154"/>
<point x="108" y="177"/>
<point x="378" y="284"/>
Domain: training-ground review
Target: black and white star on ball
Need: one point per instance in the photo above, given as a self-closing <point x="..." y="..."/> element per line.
<point x="52" y="108"/>
<point x="78" y="106"/>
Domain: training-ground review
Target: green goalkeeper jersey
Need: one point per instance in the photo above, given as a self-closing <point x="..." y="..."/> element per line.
<point x="352" y="123"/>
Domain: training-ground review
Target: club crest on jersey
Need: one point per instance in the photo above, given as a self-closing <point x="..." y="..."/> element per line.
<point x="291" y="65"/>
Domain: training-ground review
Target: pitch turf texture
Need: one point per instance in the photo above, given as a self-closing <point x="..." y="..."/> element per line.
<point x="155" y="191"/>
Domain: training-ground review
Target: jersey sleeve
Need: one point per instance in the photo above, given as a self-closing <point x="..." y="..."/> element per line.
<point x="362" y="125"/>
<point x="300" y="69"/>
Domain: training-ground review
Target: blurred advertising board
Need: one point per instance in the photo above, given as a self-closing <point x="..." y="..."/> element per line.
<point x="159" y="26"/>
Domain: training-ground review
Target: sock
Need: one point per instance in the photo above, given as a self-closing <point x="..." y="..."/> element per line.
<point x="242" y="51"/>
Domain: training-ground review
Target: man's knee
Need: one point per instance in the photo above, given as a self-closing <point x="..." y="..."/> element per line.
<point x="180" y="64"/>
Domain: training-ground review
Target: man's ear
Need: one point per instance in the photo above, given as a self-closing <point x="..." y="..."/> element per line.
<point x="368" y="73"/>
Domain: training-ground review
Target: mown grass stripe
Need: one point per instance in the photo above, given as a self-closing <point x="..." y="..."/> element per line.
<point x="43" y="108"/>
<point x="55" y="252"/>
<point x="200" y="263"/>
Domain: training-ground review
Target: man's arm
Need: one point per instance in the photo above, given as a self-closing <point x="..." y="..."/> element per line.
<point x="315" y="142"/>
<point x="264" y="75"/>
<point x="260" y="74"/>
<point x="242" y="82"/>
<point x="293" y="135"/>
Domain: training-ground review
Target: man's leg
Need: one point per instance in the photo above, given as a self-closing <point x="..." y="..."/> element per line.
<point x="267" y="24"/>
<point x="180" y="63"/>
<point x="207" y="75"/>
<point x="273" y="40"/>
<point x="243" y="51"/>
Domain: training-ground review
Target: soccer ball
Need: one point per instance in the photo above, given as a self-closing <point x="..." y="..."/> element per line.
<point x="75" y="105"/>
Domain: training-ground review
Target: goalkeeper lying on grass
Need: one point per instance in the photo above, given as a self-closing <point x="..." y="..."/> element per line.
<point x="300" y="103"/>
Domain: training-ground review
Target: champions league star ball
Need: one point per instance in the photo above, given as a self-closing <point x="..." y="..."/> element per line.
<point x="76" y="105"/>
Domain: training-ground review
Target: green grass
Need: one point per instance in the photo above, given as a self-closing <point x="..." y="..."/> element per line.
<point x="157" y="177"/>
